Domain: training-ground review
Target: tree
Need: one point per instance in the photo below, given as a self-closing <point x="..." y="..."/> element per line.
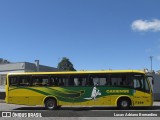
<point x="3" y="61"/>
<point x="65" y="65"/>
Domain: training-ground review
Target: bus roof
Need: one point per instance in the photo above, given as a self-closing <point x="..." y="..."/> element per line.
<point x="81" y="72"/>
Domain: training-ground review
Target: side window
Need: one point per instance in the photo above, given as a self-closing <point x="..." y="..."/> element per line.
<point x="24" y="80"/>
<point x="119" y="80"/>
<point x="62" y="81"/>
<point x="54" y="81"/>
<point x="138" y="81"/>
<point x="40" y="80"/>
<point x="13" y="81"/>
<point x="72" y="81"/>
<point x="98" y="80"/>
<point x="77" y="80"/>
<point x="58" y="80"/>
<point x="83" y="81"/>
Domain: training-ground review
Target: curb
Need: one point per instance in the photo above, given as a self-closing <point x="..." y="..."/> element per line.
<point x="2" y="101"/>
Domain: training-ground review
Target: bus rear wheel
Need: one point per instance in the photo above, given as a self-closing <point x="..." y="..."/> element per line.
<point x="124" y="104"/>
<point x="50" y="104"/>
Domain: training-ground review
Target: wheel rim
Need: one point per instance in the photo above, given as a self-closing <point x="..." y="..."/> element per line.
<point x="50" y="104"/>
<point x="124" y="104"/>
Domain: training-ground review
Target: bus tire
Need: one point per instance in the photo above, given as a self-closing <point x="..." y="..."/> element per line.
<point x="124" y="103"/>
<point x="50" y="104"/>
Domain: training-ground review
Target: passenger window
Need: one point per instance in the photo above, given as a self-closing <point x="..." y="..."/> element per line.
<point x="40" y="80"/>
<point x="77" y="80"/>
<point x="54" y="81"/>
<point x="119" y="80"/>
<point x="83" y="81"/>
<point x="58" y="80"/>
<point x="13" y="81"/>
<point x="98" y="80"/>
<point x="62" y="81"/>
<point x="138" y="81"/>
<point x="24" y="80"/>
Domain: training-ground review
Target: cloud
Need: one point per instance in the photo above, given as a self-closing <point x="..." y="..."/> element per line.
<point x="145" y="25"/>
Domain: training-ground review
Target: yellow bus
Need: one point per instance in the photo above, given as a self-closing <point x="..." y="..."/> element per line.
<point x="121" y="88"/>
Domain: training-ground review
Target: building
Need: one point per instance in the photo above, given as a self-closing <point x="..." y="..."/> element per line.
<point x="156" y="88"/>
<point x="154" y="79"/>
<point x="20" y="67"/>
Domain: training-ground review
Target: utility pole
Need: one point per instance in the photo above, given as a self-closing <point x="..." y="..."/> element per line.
<point x="151" y="57"/>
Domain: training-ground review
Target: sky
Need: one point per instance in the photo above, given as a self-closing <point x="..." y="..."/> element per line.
<point x="93" y="34"/>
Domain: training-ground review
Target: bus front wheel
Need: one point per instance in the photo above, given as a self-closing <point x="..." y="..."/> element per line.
<point x="50" y="104"/>
<point x="124" y="104"/>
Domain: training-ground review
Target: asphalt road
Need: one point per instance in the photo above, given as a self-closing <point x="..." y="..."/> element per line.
<point x="12" y="107"/>
<point x="83" y="112"/>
